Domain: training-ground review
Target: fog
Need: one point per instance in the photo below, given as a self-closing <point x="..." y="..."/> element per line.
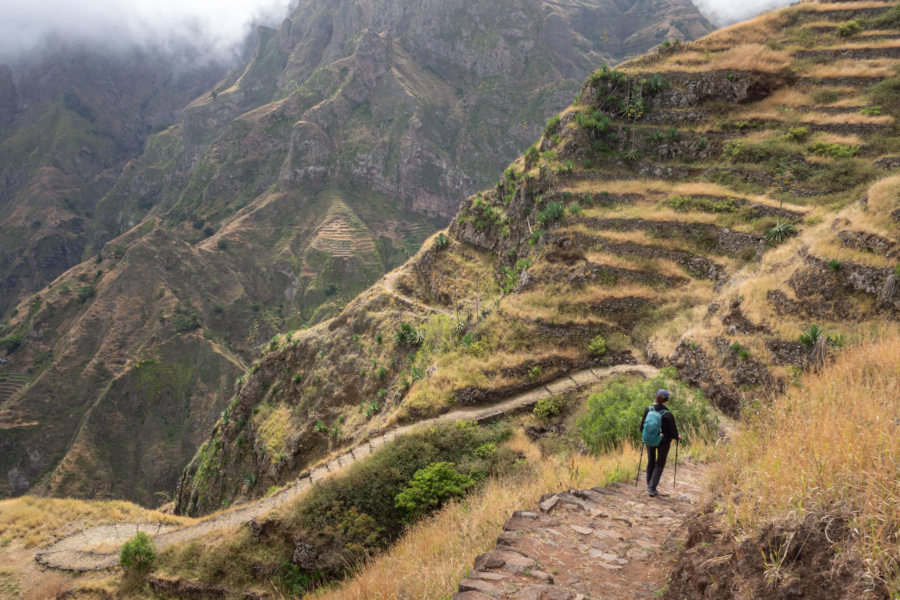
<point x="726" y="12"/>
<point x="215" y="28"/>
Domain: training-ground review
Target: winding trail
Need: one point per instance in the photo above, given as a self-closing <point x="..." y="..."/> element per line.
<point x="96" y="548"/>
<point x="389" y="283"/>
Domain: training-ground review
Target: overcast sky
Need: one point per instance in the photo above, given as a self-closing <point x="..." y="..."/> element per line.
<point x="214" y="25"/>
<point x="726" y="12"/>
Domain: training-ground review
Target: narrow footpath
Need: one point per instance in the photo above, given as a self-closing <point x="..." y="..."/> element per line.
<point x="97" y="548"/>
<point x="612" y="543"/>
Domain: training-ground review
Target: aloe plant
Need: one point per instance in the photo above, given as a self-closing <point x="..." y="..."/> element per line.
<point x="779" y="232"/>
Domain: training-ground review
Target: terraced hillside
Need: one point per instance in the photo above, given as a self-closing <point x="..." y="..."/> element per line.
<point x="290" y="187"/>
<point x="728" y="207"/>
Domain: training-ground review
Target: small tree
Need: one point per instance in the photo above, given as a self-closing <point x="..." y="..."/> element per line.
<point x="138" y="553"/>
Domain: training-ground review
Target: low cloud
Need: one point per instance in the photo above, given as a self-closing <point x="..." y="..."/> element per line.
<point x="214" y="27"/>
<point x="726" y="12"/>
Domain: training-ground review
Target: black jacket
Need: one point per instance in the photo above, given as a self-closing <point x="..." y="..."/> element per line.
<point x="669" y="429"/>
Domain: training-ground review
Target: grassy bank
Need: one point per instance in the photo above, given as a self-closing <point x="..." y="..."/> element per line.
<point x="827" y="451"/>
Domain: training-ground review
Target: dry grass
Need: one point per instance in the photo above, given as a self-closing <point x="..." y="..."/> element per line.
<point x="561" y="304"/>
<point x="852" y="117"/>
<point x="842" y="6"/>
<point x="655" y="190"/>
<point x="884" y="196"/>
<point x="757" y="30"/>
<point x="647" y="265"/>
<point x="874" y="68"/>
<point x="835" y="138"/>
<point x="434" y="555"/>
<point x="36" y="521"/>
<point x="741" y="57"/>
<point x="828" y="447"/>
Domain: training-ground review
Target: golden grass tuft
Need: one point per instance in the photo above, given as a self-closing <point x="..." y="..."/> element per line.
<point x="740" y="57"/>
<point x="828" y="447"/>
<point x="874" y="68"/>
<point x="434" y="555"/>
<point x="37" y="521"/>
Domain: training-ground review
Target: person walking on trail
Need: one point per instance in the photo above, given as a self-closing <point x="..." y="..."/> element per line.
<point x="658" y="429"/>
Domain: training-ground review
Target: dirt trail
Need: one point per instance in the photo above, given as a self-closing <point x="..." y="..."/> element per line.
<point x="608" y="543"/>
<point x="389" y="282"/>
<point x="96" y="548"/>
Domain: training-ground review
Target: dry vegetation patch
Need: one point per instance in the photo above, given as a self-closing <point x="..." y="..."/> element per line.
<point x="829" y="449"/>
<point x="36" y="521"/>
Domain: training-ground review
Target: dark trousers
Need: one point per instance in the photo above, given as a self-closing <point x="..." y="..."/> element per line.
<point x="656" y="462"/>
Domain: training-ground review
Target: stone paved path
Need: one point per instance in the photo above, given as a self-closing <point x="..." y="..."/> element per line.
<point x="611" y="543"/>
<point x="96" y="548"/>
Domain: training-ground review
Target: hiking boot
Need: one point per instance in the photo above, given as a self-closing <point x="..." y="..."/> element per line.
<point x="653" y="493"/>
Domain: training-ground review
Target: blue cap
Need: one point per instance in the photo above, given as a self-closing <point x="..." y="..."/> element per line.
<point x="663" y="393"/>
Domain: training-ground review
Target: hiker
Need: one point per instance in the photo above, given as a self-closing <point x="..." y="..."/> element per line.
<point x="657" y="432"/>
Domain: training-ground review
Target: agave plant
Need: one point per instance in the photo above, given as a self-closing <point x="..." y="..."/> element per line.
<point x="811" y="335"/>
<point x="779" y="232"/>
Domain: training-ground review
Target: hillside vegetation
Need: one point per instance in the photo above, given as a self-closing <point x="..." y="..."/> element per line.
<point x="349" y="136"/>
<point x="806" y="496"/>
<point x="660" y="218"/>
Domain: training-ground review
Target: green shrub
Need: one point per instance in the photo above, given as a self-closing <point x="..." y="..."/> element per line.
<point x="85" y="292"/>
<point x="887" y="93"/>
<point x="849" y="29"/>
<point x="357" y="511"/>
<point x="593" y="121"/>
<point x="552" y="125"/>
<point x="656" y="83"/>
<point x="811" y="335"/>
<point x="834" y="150"/>
<point x="138" y="553"/>
<point x="431" y="487"/>
<point x="554" y="211"/>
<point x="11" y="343"/>
<point x="702" y="204"/>
<point x="442" y="241"/>
<point x="834" y="265"/>
<point x="532" y="155"/>
<point x="889" y="19"/>
<point x="222" y="244"/>
<point x="548" y="407"/>
<point x="872" y="111"/>
<point x="535" y="372"/>
<point x="797" y="134"/>
<point x="613" y="416"/>
<point x="597" y="346"/>
<point x="407" y="335"/>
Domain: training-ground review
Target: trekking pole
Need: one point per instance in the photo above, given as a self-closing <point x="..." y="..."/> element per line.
<point x="677" y="442"/>
<point x="640" y="458"/>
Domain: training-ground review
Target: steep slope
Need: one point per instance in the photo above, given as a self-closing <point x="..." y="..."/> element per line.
<point x="290" y="187"/>
<point x="70" y="118"/>
<point x="701" y="207"/>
